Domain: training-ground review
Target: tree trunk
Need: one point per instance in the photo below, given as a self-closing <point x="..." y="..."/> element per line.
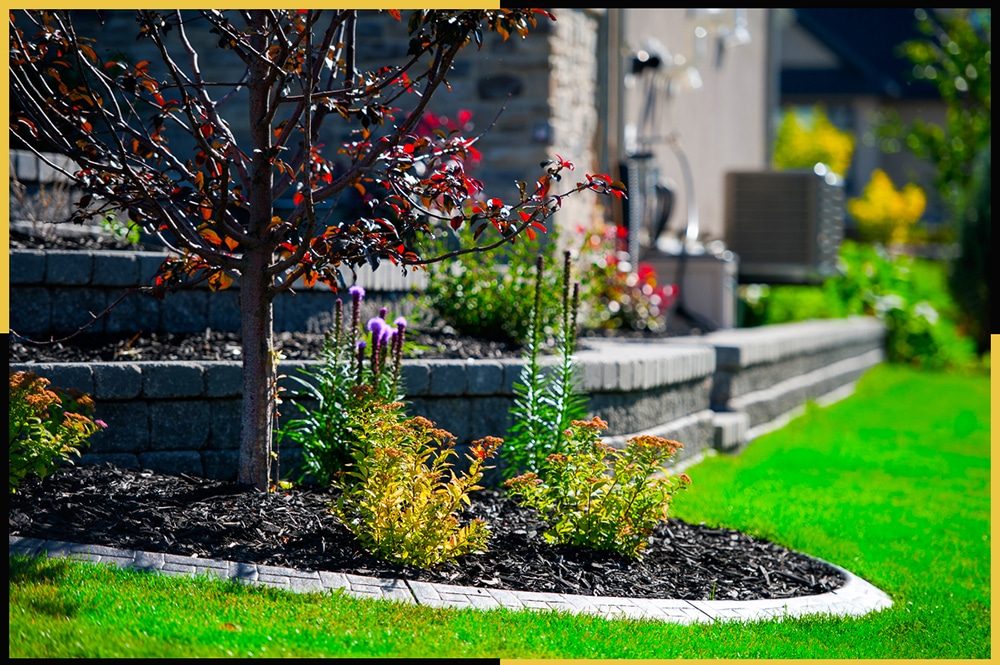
<point x="259" y="375"/>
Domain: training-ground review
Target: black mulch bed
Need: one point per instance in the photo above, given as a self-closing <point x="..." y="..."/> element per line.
<point x="214" y="345"/>
<point x="192" y="516"/>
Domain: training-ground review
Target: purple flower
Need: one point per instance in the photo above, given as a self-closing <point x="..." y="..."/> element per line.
<point x="362" y="345"/>
<point x="380" y="330"/>
<point x="357" y="292"/>
<point x="400" y="322"/>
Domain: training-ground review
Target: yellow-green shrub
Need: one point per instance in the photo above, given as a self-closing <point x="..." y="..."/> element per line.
<point x="802" y="145"/>
<point x="597" y="496"/>
<point x="400" y="496"/>
<point x="885" y="214"/>
<point x="47" y="425"/>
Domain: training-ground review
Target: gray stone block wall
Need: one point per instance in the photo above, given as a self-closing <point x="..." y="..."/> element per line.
<point x="753" y="359"/>
<point x="57" y="292"/>
<point x="184" y="416"/>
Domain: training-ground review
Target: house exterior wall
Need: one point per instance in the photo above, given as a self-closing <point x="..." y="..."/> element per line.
<point x="552" y="108"/>
<point x="723" y="126"/>
<point x="552" y="94"/>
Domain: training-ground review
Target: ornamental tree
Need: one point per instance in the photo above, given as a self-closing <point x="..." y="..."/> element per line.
<point x="210" y="194"/>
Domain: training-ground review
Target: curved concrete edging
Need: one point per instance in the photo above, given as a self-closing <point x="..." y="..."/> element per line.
<point x="856" y="598"/>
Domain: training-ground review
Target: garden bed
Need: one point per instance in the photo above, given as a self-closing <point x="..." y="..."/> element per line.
<point x="192" y="516"/>
<point x="161" y="386"/>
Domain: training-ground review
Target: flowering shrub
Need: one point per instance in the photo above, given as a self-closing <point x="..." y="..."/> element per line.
<point x="324" y="430"/>
<point x="911" y="296"/>
<point x="441" y="126"/>
<point x="885" y="214"/>
<point x="595" y="495"/>
<point x="801" y="145"/>
<point x="47" y="425"/>
<point x="400" y="496"/>
<point x="614" y="296"/>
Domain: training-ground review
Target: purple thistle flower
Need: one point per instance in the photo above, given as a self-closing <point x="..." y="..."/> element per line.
<point x="380" y="330"/>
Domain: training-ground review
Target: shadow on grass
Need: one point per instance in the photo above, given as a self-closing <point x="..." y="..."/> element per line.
<point x="38" y="581"/>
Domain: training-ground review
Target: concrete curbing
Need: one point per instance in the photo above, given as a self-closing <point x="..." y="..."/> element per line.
<point x="856" y="598"/>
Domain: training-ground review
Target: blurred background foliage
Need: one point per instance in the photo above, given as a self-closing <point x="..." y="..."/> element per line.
<point x="937" y="311"/>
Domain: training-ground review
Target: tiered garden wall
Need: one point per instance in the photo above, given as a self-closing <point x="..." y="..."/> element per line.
<point x="715" y="391"/>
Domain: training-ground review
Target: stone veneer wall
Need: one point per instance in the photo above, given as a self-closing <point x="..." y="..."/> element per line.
<point x="545" y="86"/>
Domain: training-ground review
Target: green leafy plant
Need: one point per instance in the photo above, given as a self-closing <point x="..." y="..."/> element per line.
<point x="400" y="495"/>
<point x="545" y="402"/>
<point x="954" y="55"/>
<point x="48" y="425"/>
<point x="909" y="294"/>
<point x="597" y="496"/>
<point x="969" y="277"/>
<point x="126" y="231"/>
<point x="491" y="299"/>
<point x="324" y="431"/>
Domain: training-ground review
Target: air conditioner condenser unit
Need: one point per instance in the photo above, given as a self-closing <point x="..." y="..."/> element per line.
<point x="785" y="226"/>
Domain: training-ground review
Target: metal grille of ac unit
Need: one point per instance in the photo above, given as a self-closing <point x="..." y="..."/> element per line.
<point x="786" y="226"/>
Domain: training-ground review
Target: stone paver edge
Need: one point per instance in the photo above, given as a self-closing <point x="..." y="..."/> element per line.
<point x="856" y="598"/>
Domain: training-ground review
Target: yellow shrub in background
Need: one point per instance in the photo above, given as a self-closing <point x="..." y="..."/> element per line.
<point x="885" y="214"/>
<point x="801" y="144"/>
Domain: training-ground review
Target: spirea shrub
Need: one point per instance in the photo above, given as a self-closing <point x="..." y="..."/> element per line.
<point x="597" y="496"/>
<point x="400" y="495"/>
<point x="48" y="425"/>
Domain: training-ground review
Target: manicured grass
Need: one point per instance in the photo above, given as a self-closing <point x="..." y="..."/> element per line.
<point x="892" y="484"/>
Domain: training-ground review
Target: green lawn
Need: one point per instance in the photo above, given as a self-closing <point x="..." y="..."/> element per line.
<point x="892" y="484"/>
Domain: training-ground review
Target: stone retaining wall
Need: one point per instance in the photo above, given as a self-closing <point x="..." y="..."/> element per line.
<point x="764" y="375"/>
<point x="55" y="292"/>
<point x="184" y="416"/>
